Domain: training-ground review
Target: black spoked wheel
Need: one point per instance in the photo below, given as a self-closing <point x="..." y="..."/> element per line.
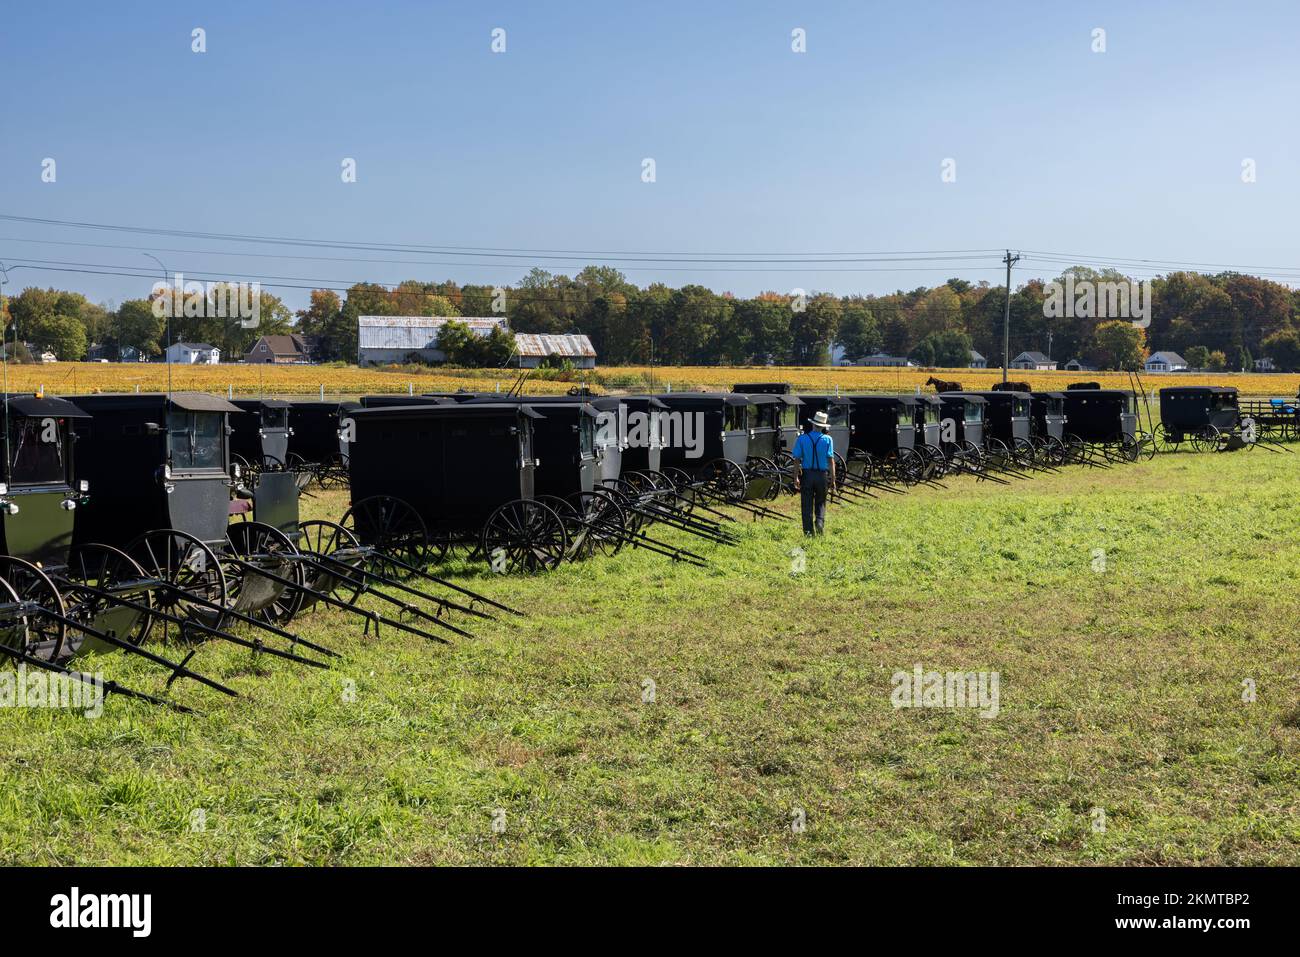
<point x="95" y="569"/>
<point x="603" y="519"/>
<point x="725" y="480"/>
<point x="859" y="467"/>
<point x="1206" y="439"/>
<point x="524" y="536"/>
<point x="907" y="466"/>
<point x="41" y="636"/>
<point x="192" y="583"/>
<point x="259" y="546"/>
<point x="341" y="568"/>
<point x="393" y="528"/>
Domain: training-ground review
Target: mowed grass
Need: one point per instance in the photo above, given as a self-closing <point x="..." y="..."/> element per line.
<point x="1121" y="689"/>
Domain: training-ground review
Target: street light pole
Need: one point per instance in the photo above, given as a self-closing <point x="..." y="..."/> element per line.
<point x="1006" y="316"/>
<point x="167" y="355"/>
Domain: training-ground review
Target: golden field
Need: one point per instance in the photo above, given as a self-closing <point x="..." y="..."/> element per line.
<point x="70" y="378"/>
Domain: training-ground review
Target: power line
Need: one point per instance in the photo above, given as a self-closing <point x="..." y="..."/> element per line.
<point x="515" y="253"/>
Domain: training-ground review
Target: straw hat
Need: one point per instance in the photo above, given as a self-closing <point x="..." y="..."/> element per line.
<point x="821" y="420"/>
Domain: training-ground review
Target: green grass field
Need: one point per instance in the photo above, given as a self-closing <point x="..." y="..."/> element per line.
<point x="1121" y="688"/>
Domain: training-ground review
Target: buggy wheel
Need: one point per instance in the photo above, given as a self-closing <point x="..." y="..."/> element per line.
<point x="191" y="573"/>
<point x="907" y="466"/>
<point x="684" y="489"/>
<point x="524" y="535"/>
<point x="304" y="472"/>
<point x="1127" y="447"/>
<point x="725" y="480"/>
<point x="1023" y="451"/>
<point x="332" y="541"/>
<point x="266" y="547"/>
<point x="574" y="527"/>
<point x="393" y="527"/>
<point x="1206" y="440"/>
<point x="1165" y="440"/>
<point x="1054" y="450"/>
<point x="859" y="467"/>
<point x="42" y="637"/>
<point x="110" y="569"/>
<point x="604" y="520"/>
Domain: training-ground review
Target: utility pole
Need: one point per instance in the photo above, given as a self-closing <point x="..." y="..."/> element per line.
<point x="1049" y="343"/>
<point x="1006" y="315"/>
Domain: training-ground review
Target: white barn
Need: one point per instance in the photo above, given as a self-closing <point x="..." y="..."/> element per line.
<point x="387" y="339"/>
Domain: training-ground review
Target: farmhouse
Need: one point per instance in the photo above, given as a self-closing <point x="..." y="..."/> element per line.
<point x="385" y="339"/>
<point x="1033" y="360"/>
<point x="883" y="359"/>
<point x="1165" y="362"/>
<point x="193" y="353"/>
<point x="1078" y="365"/>
<point x="977" y="361"/>
<point x="532" y="349"/>
<point x="280" y="350"/>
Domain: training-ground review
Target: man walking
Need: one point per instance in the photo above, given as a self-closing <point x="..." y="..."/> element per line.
<point x="814" y="455"/>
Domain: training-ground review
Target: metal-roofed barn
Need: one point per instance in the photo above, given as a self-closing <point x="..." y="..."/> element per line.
<point x="385" y="339"/>
<point x="533" y="349"/>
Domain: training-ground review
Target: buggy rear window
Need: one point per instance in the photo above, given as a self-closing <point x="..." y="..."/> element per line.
<point x="275" y="417"/>
<point x="736" y="418"/>
<point x="974" y="412"/>
<point x="195" y="440"/>
<point x="36" y="451"/>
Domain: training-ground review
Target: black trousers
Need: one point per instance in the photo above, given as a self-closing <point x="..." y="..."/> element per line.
<point x="813" y="495"/>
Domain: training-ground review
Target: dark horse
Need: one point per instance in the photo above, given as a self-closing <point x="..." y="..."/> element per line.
<point x="941" y="385"/>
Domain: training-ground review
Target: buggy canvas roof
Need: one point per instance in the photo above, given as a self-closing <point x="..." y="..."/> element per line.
<point x="1199" y="389"/>
<point x="33" y="406"/>
<point x="763" y="398"/>
<point x="188" y="401"/>
<point x="249" y="404"/>
<point x="431" y="409"/>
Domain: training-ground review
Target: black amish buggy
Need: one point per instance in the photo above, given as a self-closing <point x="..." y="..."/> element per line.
<point x="788" y="424"/>
<point x="59" y="601"/>
<point x="962" y="431"/>
<point x="1105" y="421"/>
<point x="432" y="476"/>
<point x="927" y="413"/>
<point x="1007" y="431"/>
<point x="705" y="446"/>
<point x="259" y="435"/>
<point x="884" y="439"/>
<point x="318" y="441"/>
<point x="164" y="483"/>
<point x="602" y="512"/>
<point x="1208" y="417"/>
<point x="1047" y="428"/>
<point x="771" y="417"/>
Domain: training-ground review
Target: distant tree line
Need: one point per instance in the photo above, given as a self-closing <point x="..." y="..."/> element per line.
<point x="1223" y="321"/>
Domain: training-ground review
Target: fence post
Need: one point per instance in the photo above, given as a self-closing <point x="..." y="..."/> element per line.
<point x="230" y="390"/>
<point x="322" y="391"/>
<point x="410" y="388"/>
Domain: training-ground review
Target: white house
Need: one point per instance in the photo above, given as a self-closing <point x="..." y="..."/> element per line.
<point x="977" y="361"/>
<point x="1033" y="360"/>
<point x="384" y="339"/>
<point x="1165" y="361"/>
<point x="193" y="353"/>
<point x="882" y="359"/>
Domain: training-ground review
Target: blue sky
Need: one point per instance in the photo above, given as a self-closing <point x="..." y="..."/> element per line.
<point x="1131" y="153"/>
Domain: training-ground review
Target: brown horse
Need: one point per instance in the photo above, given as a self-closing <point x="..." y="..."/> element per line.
<point x="1011" y="387"/>
<point x="942" y="385"/>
